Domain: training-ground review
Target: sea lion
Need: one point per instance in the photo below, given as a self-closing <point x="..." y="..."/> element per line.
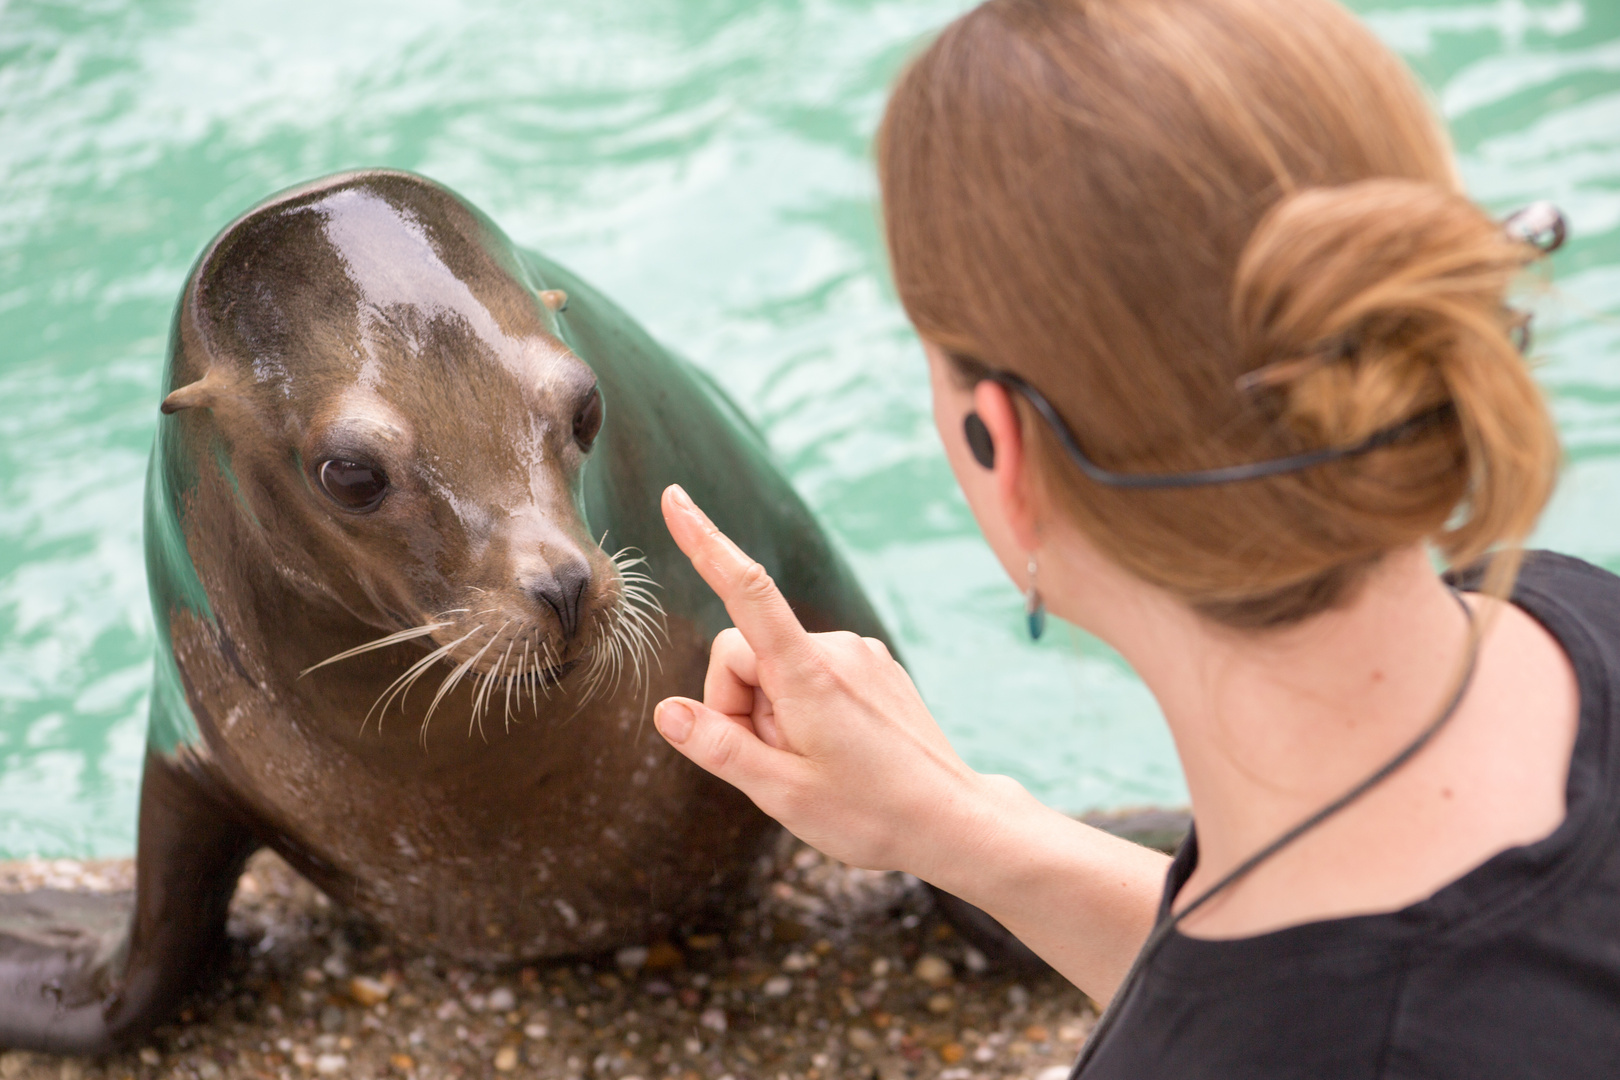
<point x="414" y="599"/>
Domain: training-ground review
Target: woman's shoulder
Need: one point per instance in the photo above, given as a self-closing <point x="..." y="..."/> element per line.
<point x="1543" y="569"/>
<point x="1567" y="595"/>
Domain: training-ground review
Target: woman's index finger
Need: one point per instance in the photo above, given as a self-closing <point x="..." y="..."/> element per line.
<point x="752" y="599"/>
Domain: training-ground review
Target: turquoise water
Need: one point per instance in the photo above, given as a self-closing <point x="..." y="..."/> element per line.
<point x="706" y="163"/>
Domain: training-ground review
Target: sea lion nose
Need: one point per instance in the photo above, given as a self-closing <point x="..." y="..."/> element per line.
<point x="562" y="588"/>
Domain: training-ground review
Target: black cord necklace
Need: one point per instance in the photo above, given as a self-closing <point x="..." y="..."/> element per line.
<point x="1161" y="933"/>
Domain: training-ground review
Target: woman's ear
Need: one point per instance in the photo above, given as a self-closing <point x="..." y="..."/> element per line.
<point x="1012" y="485"/>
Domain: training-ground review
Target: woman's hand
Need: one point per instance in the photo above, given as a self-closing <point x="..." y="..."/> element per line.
<point x="825" y="732"/>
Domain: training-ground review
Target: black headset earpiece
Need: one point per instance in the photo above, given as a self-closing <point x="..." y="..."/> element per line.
<point x="979" y="441"/>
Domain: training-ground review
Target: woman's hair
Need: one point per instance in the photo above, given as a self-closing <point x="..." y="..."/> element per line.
<point x="1134" y="204"/>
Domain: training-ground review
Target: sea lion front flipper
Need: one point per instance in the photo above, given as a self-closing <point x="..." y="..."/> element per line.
<point x="80" y="974"/>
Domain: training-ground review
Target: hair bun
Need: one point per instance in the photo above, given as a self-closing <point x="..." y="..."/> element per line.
<point x="1358" y="306"/>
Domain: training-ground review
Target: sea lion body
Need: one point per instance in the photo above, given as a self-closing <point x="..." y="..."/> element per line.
<point x="372" y="332"/>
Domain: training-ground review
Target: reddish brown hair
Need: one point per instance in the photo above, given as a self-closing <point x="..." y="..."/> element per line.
<point x="1134" y="203"/>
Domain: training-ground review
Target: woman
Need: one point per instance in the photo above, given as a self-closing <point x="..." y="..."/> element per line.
<point x="1220" y="355"/>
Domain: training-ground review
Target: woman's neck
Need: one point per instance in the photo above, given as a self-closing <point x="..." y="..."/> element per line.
<point x="1271" y="726"/>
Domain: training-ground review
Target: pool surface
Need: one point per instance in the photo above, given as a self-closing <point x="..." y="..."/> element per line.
<point x="704" y="162"/>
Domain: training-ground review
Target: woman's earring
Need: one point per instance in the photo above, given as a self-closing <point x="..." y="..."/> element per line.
<point x="1034" y="609"/>
<point x="979" y="441"/>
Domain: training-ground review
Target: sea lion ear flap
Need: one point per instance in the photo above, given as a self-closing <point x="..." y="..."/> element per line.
<point x="204" y="393"/>
<point x="554" y="299"/>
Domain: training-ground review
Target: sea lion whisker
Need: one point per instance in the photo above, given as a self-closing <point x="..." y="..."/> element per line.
<point x="522" y="676"/>
<point x="449" y="682"/>
<point x="633" y="586"/>
<point x="616" y="649"/>
<point x="623" y="556"/>
<point x="506" y="717"/>
<point x="381" y="643"/>
<point x="481" y="685"/>
<point x="647" y="612"/>
<point x="472" y="718"/>
<point x="642" y="649"/>
<point x="415" y="671"/>
<point x="635" y="644"/>
<point x="619" y="649"/>
<point x="608" y="670"/>
<point x="652" y="620"/>
<point x="635" y="594"/>
<point x="540" y="672"/>
<point x="422" y="666"/>
<point x="479" y="682"/>
<point x="646" y="642"/>
<point x="402" y="685"/>
<point x="486" y="684"/>
<point x="598" y="664"/>
<point x="645" y="623"/>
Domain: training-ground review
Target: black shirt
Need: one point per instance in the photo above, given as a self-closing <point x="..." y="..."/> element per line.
<point x="1512" y="970"/>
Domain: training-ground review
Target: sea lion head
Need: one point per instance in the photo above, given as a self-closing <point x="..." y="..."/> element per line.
<point x="382" y="384"/>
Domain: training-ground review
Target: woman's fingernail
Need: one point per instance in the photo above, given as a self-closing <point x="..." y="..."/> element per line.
<point x="682" y="499"/>
<point x="674" y="721"/>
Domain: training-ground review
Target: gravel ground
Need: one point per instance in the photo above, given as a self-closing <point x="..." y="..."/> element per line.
<point x="832" y="973"/>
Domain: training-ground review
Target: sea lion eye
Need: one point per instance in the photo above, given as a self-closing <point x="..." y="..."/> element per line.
<point x="588" y="419"/>
<point x="352" y="485"/>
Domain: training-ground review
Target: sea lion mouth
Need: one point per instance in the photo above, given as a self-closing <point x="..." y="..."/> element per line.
<point x="506" y="660"/>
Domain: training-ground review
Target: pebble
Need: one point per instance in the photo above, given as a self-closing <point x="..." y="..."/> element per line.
<point x="368" y="991"/>
<point x="331" y="1064"/>
<point x="777" y="986"/>
<point x="501" y="999"/>
<point x="933" y="970"/>
<point x="506" y="1058"/>
<point x="661" y="956"/>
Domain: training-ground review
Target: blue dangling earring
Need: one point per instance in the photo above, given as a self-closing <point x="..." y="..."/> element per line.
<point x="1034" y="609"/>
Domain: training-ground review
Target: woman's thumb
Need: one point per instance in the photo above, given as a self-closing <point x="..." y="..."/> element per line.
<point x="726" y="748"/>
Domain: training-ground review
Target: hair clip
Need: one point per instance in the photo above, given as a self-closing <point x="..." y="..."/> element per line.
<point x="1541" y="225"/>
